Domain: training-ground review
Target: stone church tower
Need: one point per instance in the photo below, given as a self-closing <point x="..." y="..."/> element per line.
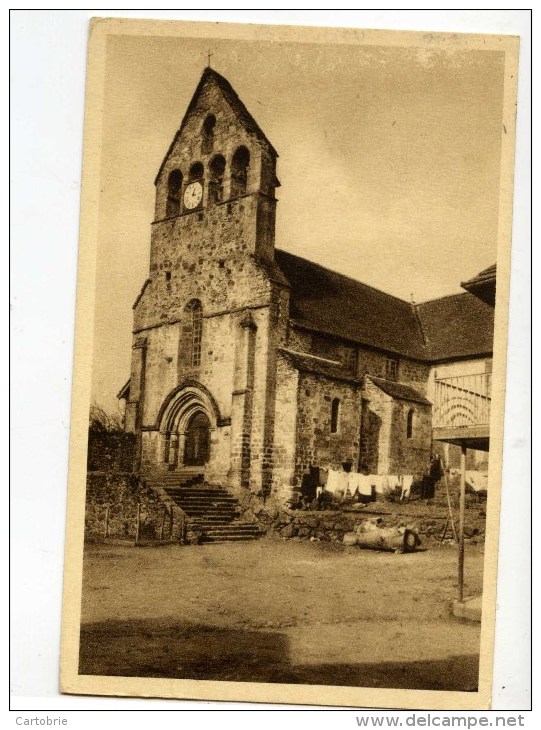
<point x="213" y="310"/>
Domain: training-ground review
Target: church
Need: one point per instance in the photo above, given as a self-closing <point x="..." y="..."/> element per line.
<point x="251" y="365"/>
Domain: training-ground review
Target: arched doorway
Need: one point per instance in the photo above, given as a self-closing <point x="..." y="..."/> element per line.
<point x="197" y="440"/>
<point x="188" y="418"/>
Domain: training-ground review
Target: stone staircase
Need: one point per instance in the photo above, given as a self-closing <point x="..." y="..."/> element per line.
<point x="212" y="511"/>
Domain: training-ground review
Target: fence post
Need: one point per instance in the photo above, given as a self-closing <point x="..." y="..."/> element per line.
<point x="163" y="523"/>
<point x="137" y="522"/>
<point x="106" y="528"/>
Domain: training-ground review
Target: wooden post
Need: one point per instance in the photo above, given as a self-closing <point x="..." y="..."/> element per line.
<point x="461" y="523"/>
<point x="137" y="522"/>
<point x="450" y="517"/>
<point x="163" y="524"/>
<point x="106" y="528"/>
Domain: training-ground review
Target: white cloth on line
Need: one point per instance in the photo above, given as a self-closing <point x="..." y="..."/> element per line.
<point x="353" y="483"/>
<point x="380" y="482"/>
<point x="337" y="481"/>
<point x="365" y="485"/>
<point x="332" y="481"/>
<point x="407" y="481"/>
<point x="477" y="480"/>
<point x="343" y="481"/>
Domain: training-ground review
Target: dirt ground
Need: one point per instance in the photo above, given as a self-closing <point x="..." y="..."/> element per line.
<point x="280" y="611"/>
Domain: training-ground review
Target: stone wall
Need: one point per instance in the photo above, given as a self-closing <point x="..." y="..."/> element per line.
<point x="331" y="526"/>
<point x="285" y="430"/>
<point x="110" y="450"/>
<point x="369" y="362"/>
<point x="112" y="500"/>
<point x="385" y="446"/>
<point x="410" y="455"/>
<point x="377" y="411"/>
<point x="316" y="445"/>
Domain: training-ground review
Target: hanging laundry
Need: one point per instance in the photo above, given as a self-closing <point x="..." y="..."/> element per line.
<point x="343" y="477"/>
<point x="354" y="483"/>
<point x="337" y="481"/>
<point x="365" y="485"/>
<point x="380" y="482"/>
<point x="477" y="480"/>
<point x="407" y="481"/>
<point x="393" y="481"/>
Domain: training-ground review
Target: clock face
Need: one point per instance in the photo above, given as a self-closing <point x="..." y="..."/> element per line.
<point x="193" y="195"/>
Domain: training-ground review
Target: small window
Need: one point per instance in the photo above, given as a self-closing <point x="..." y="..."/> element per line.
<point x="197" y="171"/>
<point x="409" y="424"/>
<point x="351" y="361"/>
<point x="335" y="414"/>
<point x="239" y="172"/>
<point x="174" y="185"/>
<point x="168" y="276"/>
<point x="392" y="369"/>
<point x="207" y="141"/>
<point x="216" y="180"/>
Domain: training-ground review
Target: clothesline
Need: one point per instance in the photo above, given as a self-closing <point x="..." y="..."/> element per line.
<point x="365" y="484"/>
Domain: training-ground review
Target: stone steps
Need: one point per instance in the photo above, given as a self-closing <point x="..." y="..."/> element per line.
<point x="204" y="498"/>
<point x="212" y="511"/>
<point x="232" y="532"/>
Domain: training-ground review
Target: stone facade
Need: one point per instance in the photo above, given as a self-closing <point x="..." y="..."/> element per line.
<point x="219" y="255"/>
<point x="387" y="445"/>
<point x="212" y="388"/>
<point x="316" y="443"/>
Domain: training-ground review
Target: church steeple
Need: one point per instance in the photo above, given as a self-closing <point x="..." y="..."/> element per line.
<point x="218" y="156"/>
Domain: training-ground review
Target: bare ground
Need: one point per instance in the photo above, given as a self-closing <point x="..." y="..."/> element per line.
<point x="280" y="611"/>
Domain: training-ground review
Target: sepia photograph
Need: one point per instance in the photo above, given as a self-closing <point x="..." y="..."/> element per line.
<point x="289" y="375"/>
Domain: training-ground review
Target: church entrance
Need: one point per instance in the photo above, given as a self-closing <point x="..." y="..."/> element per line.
<point x="197" y="442"/>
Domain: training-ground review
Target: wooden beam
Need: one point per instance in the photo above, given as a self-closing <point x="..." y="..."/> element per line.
<point x="461" y="524"/>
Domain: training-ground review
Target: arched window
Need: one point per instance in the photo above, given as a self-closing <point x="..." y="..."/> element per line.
<point x="409" y="423"/>
<point x="207" y="135"/>
<point x="192" y="332"/>
<point x="239" y="172"/>
<point x="335" y="414"/>
<point x="197" y="172"/>
<point x="174" y="186"/>
<point x="216" y="180"/>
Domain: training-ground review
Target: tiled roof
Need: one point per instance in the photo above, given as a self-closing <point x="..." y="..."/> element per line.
<point x="483" y="285"/>
<point x="459" y="325"/>
<point x="324" y="301"/>
<point x="397" y="390"/>
<point x="335" y="304"/>
<point x="488" y="274"/>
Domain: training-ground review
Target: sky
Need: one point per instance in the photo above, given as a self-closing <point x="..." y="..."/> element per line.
<point x="389" y="161"/>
